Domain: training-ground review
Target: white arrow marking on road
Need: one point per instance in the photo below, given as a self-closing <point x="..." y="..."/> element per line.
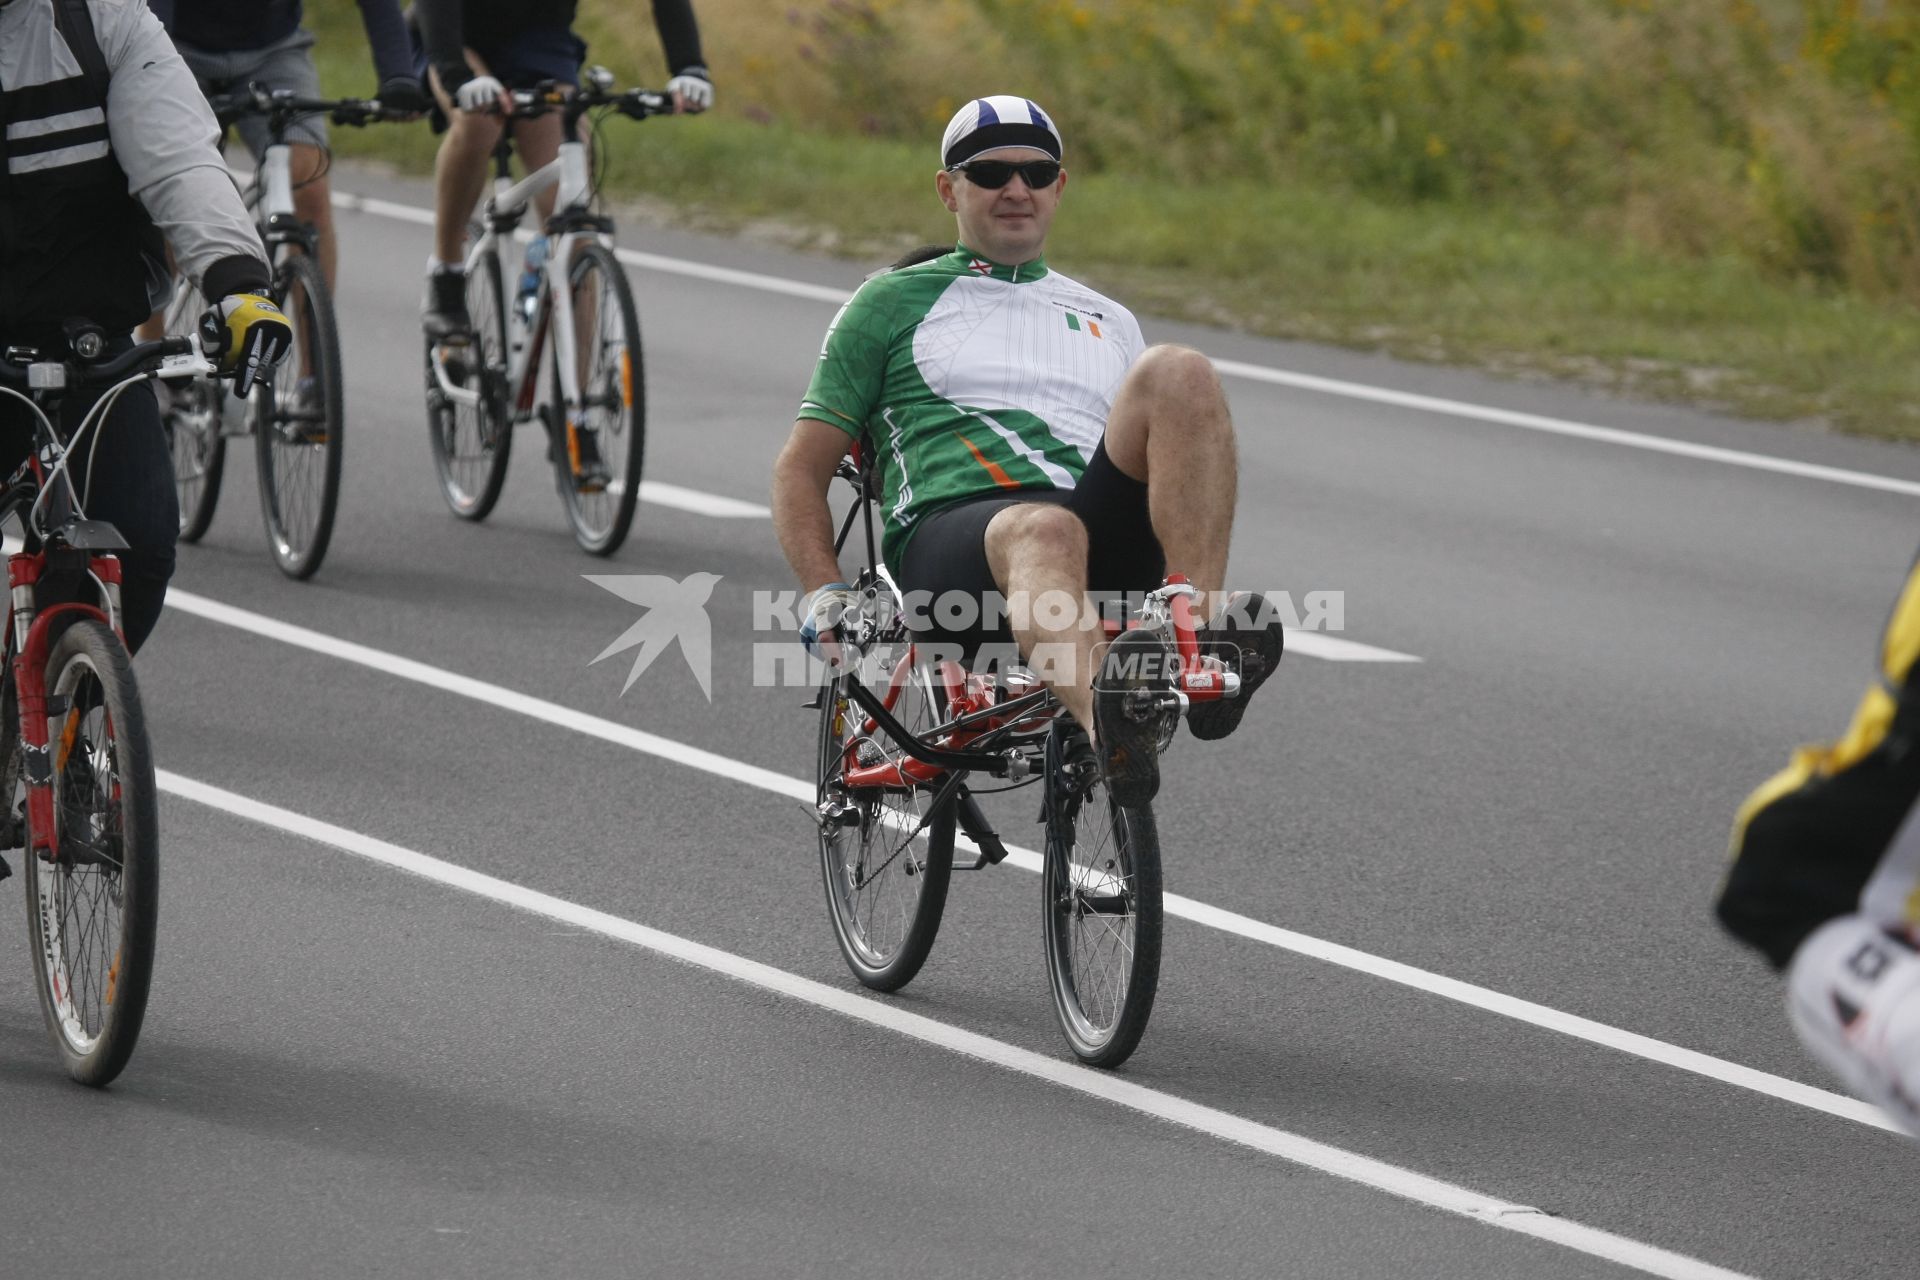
<point x="1292" y="1147"/>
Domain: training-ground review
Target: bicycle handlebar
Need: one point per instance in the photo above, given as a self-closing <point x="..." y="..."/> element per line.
<point x="283" y="107"/>
<point x="635" y="104"/>
<point x="82" y="374"/>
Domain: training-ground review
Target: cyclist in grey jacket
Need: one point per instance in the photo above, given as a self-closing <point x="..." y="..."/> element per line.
<point x="108" y="144"/>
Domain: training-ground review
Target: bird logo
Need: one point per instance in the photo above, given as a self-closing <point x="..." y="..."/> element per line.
<point x="675" y="611"/>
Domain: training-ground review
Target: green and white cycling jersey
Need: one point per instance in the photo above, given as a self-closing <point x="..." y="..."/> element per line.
<point x="971" y="378"/>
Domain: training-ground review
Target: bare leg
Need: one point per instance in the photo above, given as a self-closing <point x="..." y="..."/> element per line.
<point x="1171" y="430"/>
<point x="1035" y="549"/>
<point x="459" y="172"/>
<point x="313" y="203"/>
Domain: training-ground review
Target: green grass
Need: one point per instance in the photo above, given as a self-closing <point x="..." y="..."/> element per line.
<point x="1437" y="282"/>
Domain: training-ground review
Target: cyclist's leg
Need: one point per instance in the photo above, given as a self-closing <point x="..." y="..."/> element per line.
<point x="132" y="489"/>
<point x="1037" y="555"/>
<point x="1170" y="430"/>
<point x="460" y="169"/>
<point x="1853" y="988"/>
<point x="537" y="55"/>
<point x="288" y="64"/>
<point x="948" y="587"/>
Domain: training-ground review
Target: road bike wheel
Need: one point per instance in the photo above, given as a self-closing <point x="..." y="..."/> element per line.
<point x="886" y="887"/>
<point x="471" y="444"/>
<point x="91" y="911"/>
<point x="298" y="421"/>
<point x="1101" y="886"/>
<point x="613" y="390"/>
<point x="191" y="413"/>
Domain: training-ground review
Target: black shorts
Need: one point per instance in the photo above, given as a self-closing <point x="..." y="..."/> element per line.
<point x="948" y="551"/>
<point x="535" y="55"/>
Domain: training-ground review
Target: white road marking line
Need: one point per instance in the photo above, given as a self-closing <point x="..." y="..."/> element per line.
<point x="706" y="504"/>
<point x="720" y="766"/>
<point x="1318" y="644"/>
<point x="1282" y="377"/>
<point x="1292" y="1147"/>
<point x="1573" y="430"/>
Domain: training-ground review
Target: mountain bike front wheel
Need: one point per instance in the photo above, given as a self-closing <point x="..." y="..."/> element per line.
<point x="191" y="411"/>
<point x="297" y="424"/>
<point x="886" y="855"/>
<point x="1100" y="882"/>
<point x="91" y="911"/>
<point x="600" y="445"/>
<point x="471" y="431"/>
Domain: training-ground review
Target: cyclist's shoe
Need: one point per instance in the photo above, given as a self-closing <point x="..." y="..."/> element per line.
<point x="1853" y="992"/>
<point x="1246" y="636"/>
<point x="445" y="317"/>
<point x="1130" y="733"/>
<point x="1075" y="766"/>
<point x="590" y="473"/>
<point x="306" y="413"/>
<point x="83" y="838"/>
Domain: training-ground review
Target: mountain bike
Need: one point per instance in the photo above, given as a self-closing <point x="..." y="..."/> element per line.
<point x="575" y="308"/>
<point x="296" y="419"/>
<point x="900" y="739"/>
<point x="72" y="734"/>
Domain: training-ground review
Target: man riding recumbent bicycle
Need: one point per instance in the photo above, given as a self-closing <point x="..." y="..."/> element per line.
<point x="1025" y="450"/>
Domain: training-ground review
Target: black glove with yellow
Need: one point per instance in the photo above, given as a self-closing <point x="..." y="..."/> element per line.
<point x="245" y="335"/>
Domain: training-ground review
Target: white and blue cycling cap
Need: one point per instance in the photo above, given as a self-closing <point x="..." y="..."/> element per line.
<point x="1000" y="121"/>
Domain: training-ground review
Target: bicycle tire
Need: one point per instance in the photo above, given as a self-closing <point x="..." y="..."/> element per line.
<point x="191" y="411"/>
<point x="1103" y="977"/>
<point x="299" y="424"/>
<point x="883" y="950"/>
<point x="471" y="447"/>
<point x="615" y="409"/>
<point x="79" y="906"/>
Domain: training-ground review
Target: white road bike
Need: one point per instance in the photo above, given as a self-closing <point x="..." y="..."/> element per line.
<point x="578" y="314"/>
<point x="297" y="417"/>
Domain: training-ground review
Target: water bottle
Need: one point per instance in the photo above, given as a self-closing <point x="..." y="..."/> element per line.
<point x="528" y="296"/>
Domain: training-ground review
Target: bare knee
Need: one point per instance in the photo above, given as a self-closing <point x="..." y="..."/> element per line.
<point x="1036" y="534"/>
<point x="471" y="134"/>
<point x="1175" y="373"/>
<point x="314" y="204"/>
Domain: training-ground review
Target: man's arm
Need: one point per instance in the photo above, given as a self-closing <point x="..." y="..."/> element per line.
<point x="801" y="517"/>
<point x="165" y="139"/>
<point x="679" y="36"/>
<point x="443" y="32"/>
<point x="387" y="38"/>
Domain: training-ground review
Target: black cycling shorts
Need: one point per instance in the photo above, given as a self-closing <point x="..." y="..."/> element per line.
<point x="948" y="551"/>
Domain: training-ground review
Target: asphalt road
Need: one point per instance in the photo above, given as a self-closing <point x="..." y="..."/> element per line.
<point x="348" y="1069"/>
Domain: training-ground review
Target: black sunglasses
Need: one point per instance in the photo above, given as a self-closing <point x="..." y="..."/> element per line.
<point x="995" y="174"/>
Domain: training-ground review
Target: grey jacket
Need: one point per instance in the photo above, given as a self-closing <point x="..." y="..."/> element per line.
<point x="163" y="136"/>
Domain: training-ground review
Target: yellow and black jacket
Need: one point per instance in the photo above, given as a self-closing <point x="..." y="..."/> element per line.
<point x="1807" y="840"/>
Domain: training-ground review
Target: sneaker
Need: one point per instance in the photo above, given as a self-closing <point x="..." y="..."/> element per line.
<point x="445" y="316"/>
<point x="83" y="837"/>
<point x="1246" y="628"/>
<point x="306" y="413"/>
<point x="590" y="473"/>
<point x="1130" y="735"/>
<point x="1853" y="992"/>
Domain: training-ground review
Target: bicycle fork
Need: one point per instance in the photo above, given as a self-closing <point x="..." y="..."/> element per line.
<point x="32" y="639"/>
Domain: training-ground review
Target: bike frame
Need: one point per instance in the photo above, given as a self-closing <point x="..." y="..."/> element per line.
<point x="570" y="225"/>
<point x="29" y="629"/>
<point x="980" y="717"/>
